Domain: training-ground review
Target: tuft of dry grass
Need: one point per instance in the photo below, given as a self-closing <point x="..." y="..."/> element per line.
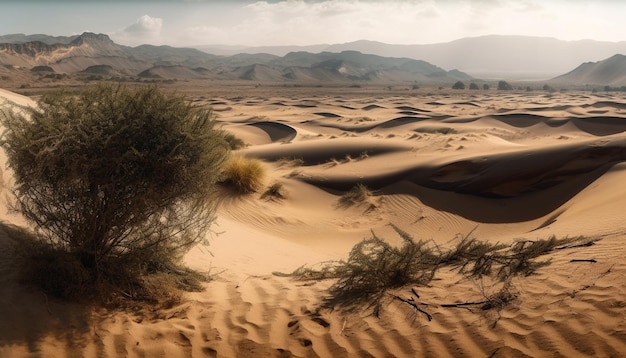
<point x="275" y="191"/>
<point x="244" y="175"/>
<point x="357" y="195"/>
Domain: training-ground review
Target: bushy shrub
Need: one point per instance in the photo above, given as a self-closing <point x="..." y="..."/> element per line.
<point x="244" y="175"/>
<point x="504" y="86"/>
<point x="118" y="181"/>
<point x="458" y="85"/>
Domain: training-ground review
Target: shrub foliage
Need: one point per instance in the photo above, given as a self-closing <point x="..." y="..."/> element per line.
<point x="118" y="181"/>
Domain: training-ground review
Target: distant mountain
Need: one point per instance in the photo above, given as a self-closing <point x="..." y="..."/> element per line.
<point x="494" y="56"/>
<point x="608" y="72"/>
<point x="96" y="55"/>
<point x="47" y="39"/>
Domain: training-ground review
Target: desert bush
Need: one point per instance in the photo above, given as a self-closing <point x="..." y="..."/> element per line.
<point x="116" y="182"/>
<point x="458" y="85"/>
<point x="504" y="86"/>
<point x="473" y="86"/>
<point x="244" y="175"/>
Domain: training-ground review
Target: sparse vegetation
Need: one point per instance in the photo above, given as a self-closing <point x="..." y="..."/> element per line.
<point x="118" y="184"/>
<point x="233" y="141"/>
<point x="504" y="86"/>
<point x="274" y="192"/>
<point x="473" y="86"/>
<point x="458" y="85"/>
<point x="549" y="88"/>
<point x="374" y="268"/>
<point x="358" y="194"/>
<point x="244" y="175"/>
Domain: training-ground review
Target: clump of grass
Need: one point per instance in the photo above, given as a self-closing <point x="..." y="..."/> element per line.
<point x="244" y="175"/>
<point x="357" y="195"/>
<point x="275" y="191"/>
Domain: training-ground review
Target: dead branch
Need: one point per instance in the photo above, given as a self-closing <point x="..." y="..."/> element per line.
<point x="411" y="302"/>
<point x="463" y="304"/>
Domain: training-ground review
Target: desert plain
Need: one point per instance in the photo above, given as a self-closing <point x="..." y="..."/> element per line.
<point x="501" y="166"/>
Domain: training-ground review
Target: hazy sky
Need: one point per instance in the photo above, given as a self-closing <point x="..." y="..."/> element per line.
<point x="306" y="22"/>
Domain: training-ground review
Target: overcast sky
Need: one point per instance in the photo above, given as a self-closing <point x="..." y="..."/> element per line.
<point x="307" y="22"/>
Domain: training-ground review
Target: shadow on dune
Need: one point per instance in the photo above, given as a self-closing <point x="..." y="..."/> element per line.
<point x="28" y="316"/>
<point x="601" y="126"/>
<point x="277" y="132"/>
<point x="509" y="187"/>
<point x="594" y="125"/>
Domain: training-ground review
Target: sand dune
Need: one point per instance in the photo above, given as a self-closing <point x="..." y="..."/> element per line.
<point x="507" y="166"/>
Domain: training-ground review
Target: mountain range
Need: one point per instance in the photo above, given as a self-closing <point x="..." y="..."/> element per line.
<point x="493" y="56"/>
<point x="97" y="55"/>
<point x="577" y="63"/>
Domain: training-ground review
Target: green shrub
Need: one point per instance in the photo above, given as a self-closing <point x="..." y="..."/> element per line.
<point x="116" y="182"/>
<point x="244" y="175"/>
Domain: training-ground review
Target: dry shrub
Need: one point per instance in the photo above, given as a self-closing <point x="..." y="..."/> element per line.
<point x="117" y="183"/>
<point x="374" y="267"/>
<point x="478" y="258"/>
<point x="244" y="175"/>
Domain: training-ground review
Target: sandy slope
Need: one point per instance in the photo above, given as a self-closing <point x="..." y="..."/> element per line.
<point x="504" y="165"/>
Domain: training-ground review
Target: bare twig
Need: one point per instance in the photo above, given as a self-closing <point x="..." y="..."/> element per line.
<point x="463" y="304"/>
<point x="411" y="302"/>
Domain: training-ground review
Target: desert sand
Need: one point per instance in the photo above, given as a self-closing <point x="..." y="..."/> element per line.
<point x="503" y="166"/>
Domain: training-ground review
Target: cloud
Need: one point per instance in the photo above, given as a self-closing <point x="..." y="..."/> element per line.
<point x="145" y="29"/>
<point x="305" y="22"/>
<point x="144" y="25"/>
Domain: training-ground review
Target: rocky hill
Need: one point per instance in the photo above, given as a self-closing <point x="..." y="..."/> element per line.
<point x="608" y="72"/>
